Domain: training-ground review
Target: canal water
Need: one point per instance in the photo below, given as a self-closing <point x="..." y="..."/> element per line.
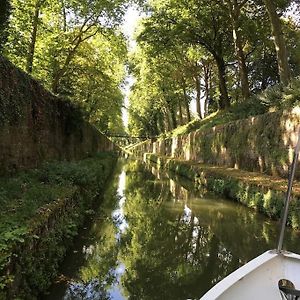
<point x="153" y="237"/>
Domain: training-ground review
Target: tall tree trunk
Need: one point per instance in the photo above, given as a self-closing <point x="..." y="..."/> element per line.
<point x="206" y="82"/>
<point x="180" y="112"/>
<point x="224" y="99"/>
<point x="173" y="117"/>
<point x="31" y="47"/>
<point x="234" y="9"/>
<point x="167" y="121"/>
<point x="154" y="129"/>
<point x="160" y="123"/>
<point x="279" y="42"/>
<point x="5" y="10"/>
<point x="61" y="72"/>
<point x="198" y="96"/>
<point x="64" y="15"/>
<point x="186" y="101"/>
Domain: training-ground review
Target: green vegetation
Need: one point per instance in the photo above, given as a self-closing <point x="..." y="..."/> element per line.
<point x="4" y="19"/>
<point x="218" y="55"/>
<point x="75" y="48"/>
<point x="274" y="98"/>
<point x="40" y="213"/>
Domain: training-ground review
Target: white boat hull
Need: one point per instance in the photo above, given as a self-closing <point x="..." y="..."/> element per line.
<point x="258" y="279"/>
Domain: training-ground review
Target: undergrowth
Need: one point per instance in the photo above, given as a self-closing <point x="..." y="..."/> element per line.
<point x="23" y="196"/>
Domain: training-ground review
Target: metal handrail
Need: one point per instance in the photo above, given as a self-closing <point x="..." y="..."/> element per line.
<point x="288" y="194"/>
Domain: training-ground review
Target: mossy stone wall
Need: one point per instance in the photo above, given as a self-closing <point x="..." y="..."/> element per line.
<point x="262" y="144"/>
<point x="37" y="126"/>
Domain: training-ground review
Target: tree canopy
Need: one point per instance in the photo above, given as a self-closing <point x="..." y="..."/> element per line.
<point x="214" y="53"/>
<point x="206" y="54"/>
<point x="76" y="49"/>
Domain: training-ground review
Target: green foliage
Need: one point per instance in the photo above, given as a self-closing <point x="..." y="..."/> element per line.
<point x="75" y="49"/>
<point x="272" y="99"/>
<point x="4" y="19"/>
<point x="189" y="45"/>
<point x="281" y="97"/>
<point x="32" y="199"/>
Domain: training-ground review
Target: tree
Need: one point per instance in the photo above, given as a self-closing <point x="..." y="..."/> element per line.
<point x="279" y="42"/>
<point x="5" y="8"/>
<point x="203" y="23"/>
<point x="95" y="78"/>
<point x="75" y="49"/>
<point x="31" y="47"/>
<point x="235" y="7"/>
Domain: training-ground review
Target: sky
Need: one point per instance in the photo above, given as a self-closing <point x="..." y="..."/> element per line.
<point x="130" y="21"/>
<point x="132" y="16"/>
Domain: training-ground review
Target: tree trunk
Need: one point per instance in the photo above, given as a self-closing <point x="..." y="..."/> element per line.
<point x="5" y="10"/>
<point x="160" y="123"/>
<point x="224" y="99"/>
<point x="64" y="15"/>
<point x="173" y="118"/>
<point x="198" y="96"/>
<point x="77" y="41"/>
<point x="206" y="82"/>
<point x="167" y="126"/>
<point x="186" y="102"/>
<point x="279" y="42"/>
<point x="61" y="72"/>
<point x="180" y="112"/>
<point x="243" y="72"/>
<point x="31" y="47"/>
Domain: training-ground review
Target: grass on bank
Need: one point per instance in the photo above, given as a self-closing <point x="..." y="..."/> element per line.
<point x="23" y="196"/>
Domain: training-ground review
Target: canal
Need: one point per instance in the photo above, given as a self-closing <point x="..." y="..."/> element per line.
<point x="153" y="237"/>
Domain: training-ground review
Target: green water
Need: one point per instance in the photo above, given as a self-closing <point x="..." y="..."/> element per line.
<point x="154" y="238"/>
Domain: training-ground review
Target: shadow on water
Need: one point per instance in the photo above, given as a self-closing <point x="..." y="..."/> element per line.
<point x="153" y="238"/>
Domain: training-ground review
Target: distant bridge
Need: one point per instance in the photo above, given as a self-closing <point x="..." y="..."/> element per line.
<point x="122" y="139"/>
<point x="131" y="137"/>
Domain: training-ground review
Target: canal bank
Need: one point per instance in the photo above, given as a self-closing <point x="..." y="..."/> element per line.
<point x="154" y="237"/>
<point x="264" y="193"/>
<point x="42" y="210"/>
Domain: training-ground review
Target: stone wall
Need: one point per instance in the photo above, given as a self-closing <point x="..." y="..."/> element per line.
<point x="37" y="126"/>
<point x="263" y="144"/>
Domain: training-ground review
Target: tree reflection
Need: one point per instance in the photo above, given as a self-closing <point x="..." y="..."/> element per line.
<point x="86" y="291"/>
<point x="174" y="245"/>
<point x="180" y="253"/>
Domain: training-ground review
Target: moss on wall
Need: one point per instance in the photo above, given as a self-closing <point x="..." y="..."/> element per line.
<point x="36" y="126"/>
<point x="260" y="144"/>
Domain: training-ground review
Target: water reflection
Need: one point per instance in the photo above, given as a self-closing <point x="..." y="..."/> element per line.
<point x="155" y="239"/>
<point x="118" y="214"/>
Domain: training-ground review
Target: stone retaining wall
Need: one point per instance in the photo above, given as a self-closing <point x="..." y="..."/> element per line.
<point x="37" y="126"/>
<point x="263" y="144"/>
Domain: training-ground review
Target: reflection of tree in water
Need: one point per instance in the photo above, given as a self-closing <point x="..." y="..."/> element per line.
<point x="164" y="257"/>
<point x="169" y="249"/>
<point x="92" y="290"/>
<point x="98" y="274"/>
<point x="181" y="254"/>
